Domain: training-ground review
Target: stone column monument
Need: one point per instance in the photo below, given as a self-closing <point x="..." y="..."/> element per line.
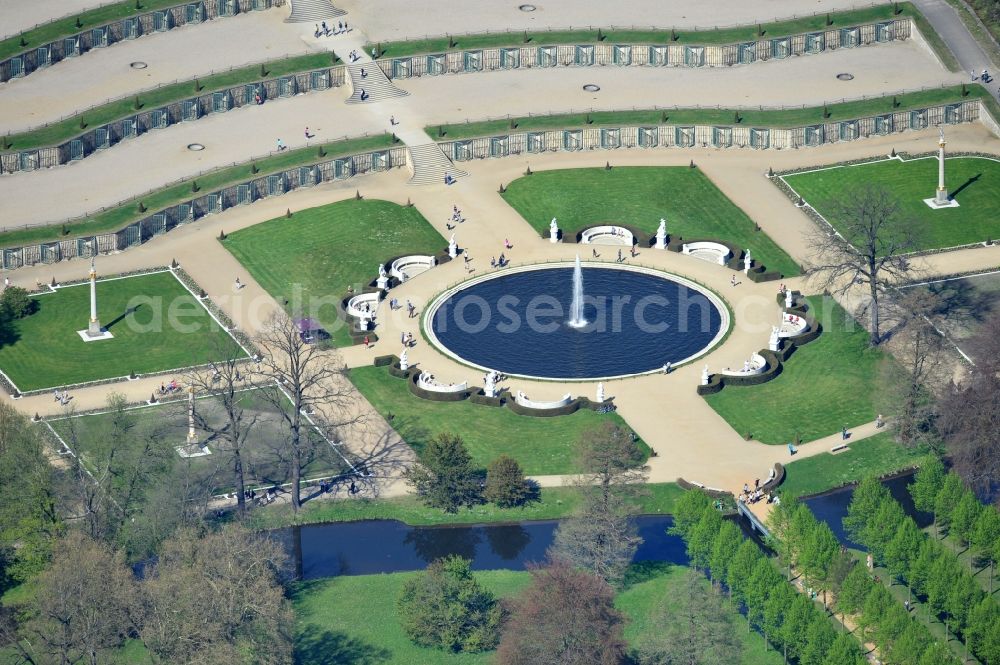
<point x="941" y="199"/>
<point x="94" y="330"/>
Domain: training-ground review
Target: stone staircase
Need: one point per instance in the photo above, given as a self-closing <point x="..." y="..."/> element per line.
<point x="430" y="165"/>
<point x="313" y="11"/>
<point x="375" y="84"/>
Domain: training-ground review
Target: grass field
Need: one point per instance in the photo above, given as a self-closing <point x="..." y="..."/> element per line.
<point x="971" y="181"/>
<point x="691" y="203"/>
<point x="878" y="455"/>
<point x="825" y="385"/>
<point x="792" y="117"/>
<point x="352" y="620"/>
<point x="129" y="211"/>
<point x="262" y="463"/>
<point x="169" y="329"/>
<point x="553" y="503"/>
<point x="312" y="257"/>
<point x="543" y="446"/>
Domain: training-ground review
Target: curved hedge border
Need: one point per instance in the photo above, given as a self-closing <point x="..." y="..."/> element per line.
<point x="477" y="396"/>
<point x="775" y="360"/>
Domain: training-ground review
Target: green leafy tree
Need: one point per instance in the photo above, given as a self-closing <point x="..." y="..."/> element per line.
<point x="772" y="617"/>
<point x="445" y="607"/>
<point x="962" y="597"/>
<point x="943" y="576"/>
<point x="696" y="629"/>
<point x="920" y="567"/>
<point x="505" y="483"/>
<point x="910" y="644"/>
<point x="727" y="541"/>
<point x="16" y="303"/>
<point x="701" y="539"/>
<point x="903" y="549"/>
<point x="875" y="608"/>
<point x="820" y="637"/>
<point x="963" y="518"/>
<point x="926" y="485"/>
<point x="741" y="568"/>
<point x="445" y="478"/>
<point x="820" y="550"/>
<point x="986" y="538"/>
<point x="891" y="624"/>
<point x="794" y="632"/>
<point x="854" y="590"/>
<point x="983" y="632"/>
<point x="947" y="499"/>
<point x="882" y="527"/>
<point x="758" y="588"/>
<point x="845" y="651"/>
<point x="938" y="653"/>
<point x="867" y="497"/>
<point x="780" y="524"/>
<point x="688" y="510"/>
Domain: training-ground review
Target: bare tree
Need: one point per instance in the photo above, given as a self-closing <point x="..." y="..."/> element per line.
<point x="226" y="380"/>
<point x="307" y="378"/>
<point x="970" y="414"/>
<point x="870" y="248"/>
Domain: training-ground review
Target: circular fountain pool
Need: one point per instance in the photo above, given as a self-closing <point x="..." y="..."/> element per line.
<point x="519" y="322"/>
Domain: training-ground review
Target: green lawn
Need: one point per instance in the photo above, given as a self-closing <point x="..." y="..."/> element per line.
<point x="543" y="446"/>
<point x="130" y="211"/>
<point x="973" y="182"/>
<point x="971" y="300"/>
<point x="793" y="117"/>
<point x="879" y="455"/>
<point x="640" y="602"/>
<point x="170" y="329"/>
<point x="352" y="620"/>
<point x="691" y="203"/>
<point x="553" y="503"/>
<point x="315" y="255"/>
<point x="825" y="385"/>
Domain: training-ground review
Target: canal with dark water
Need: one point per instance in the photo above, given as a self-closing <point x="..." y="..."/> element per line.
<point x="386" y="546"/>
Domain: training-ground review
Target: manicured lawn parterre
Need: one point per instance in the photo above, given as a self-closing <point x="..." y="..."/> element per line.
<point x="878" y="455"/>
<point x="169" y="329"/>
<point x="312" y="257"/>
<point x="825" y="385"/>
<point x="972" y="181"/>
<point x="691" y="203"/>
<point x="553" y="503"/>
<point x="352" y="620"/>
<point x="543" y="446"/>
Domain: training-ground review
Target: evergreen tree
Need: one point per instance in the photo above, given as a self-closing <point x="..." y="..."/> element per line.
<point x="758" y="587"/>
<point x="983" y="632"/>
<point x="445" y="607"/>
<point x="867" y="497"/>
<point x="505" y="483"/>
<point x="741" y="568"/>
<point x="854" y="590"/>
<point x="920" y="567"/>
<point x="688" y="510"/>
<point x="445" y="478"/>
<point x="876" y="607"/>
<point x="986" y="538"/>
<point x="963" y="519"/>
<point x="820" y="637"/>
<point x="821" y="548"/>
<point x="773" y="614"/>
<point x="882" y="526"/>
<point x="701" y="539"/>
<point x="795" y="630"/>
<point x="845" y="651"/>
<point x="903" y="549"/>
<point x="727" y="541"/>
<point x="947" y="499"/>
<point x="926" y="485"/>
<point x="938" y="653"/>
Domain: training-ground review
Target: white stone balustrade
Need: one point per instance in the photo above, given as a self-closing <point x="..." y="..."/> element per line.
<point x="363" y="305"/>
<point x="756" y="365"/>
<point x="607" y="235"/>
<point x="408" y="267"/>
<point x="429" y="383"/>
<point x="792" y="325"/>
<point x="522" y="400"/>
<point x="707" y="251"/>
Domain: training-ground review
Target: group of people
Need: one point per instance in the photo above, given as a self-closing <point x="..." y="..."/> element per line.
<point x="324" y="30"/>
<point x="498" y="263"/>
<point x="751" y="496"/>
<point x="62" y="397"/>
<point x="984" y="77"/>
<point x="172" y="387"/>
<point x="407" y="340"/>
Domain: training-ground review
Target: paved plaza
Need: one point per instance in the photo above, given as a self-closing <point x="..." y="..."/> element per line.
<point x="690" y="439"/>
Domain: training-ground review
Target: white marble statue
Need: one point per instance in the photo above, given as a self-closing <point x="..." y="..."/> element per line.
<point x="661" y="234"/>
<point x="490" y="384"/>
<point x="789" y="300"/>
<point x="774" y="342"/>
<point x="746" y="366"/>
<point x="452" y="247"/>
<point x="704" y="376"/>
<point x="404" y="362"/>
<point x="381" y="270"/>
<point x="600" y="393"/>
<point x="553" y="231"/>
<point x="747" y="262"/>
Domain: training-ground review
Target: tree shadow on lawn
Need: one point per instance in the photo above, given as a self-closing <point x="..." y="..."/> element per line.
<point x="8" y="333"/>
<point x="326" y="647"/>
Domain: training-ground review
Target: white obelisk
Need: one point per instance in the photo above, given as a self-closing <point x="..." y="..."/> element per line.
<point x="94" y="329"/>
<point x="941" y="197"/>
